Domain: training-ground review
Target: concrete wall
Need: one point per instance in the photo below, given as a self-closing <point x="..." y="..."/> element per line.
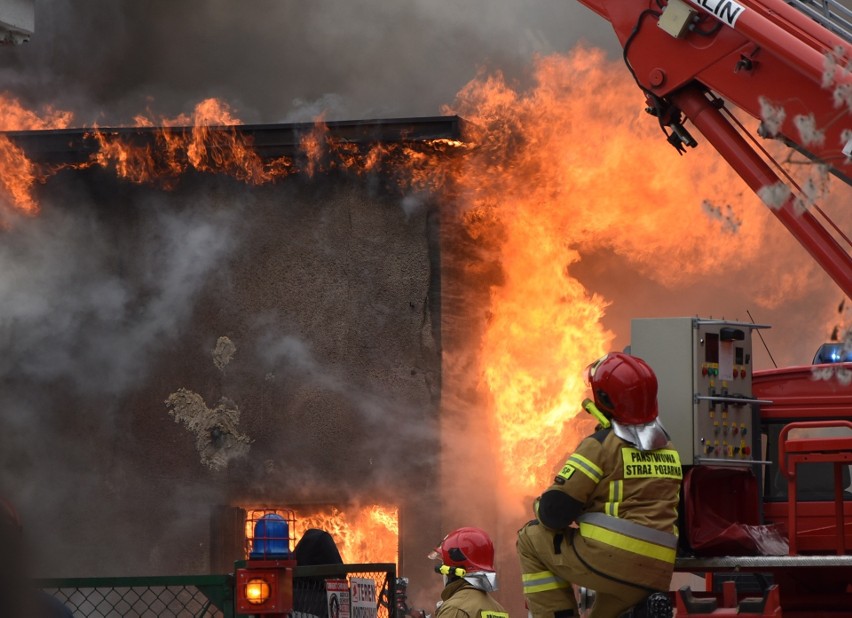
<point x="114" y="298"/>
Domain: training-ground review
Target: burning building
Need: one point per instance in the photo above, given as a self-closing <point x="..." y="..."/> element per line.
<point x="208" y="346"/>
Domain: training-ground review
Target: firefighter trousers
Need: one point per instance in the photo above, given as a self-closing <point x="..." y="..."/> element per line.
<point x="549" y="568"/>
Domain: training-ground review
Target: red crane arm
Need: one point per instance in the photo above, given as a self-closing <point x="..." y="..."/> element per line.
<point x="768" y="58"/>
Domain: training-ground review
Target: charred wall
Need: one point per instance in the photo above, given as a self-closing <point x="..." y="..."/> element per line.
<point x="115" y="298"/>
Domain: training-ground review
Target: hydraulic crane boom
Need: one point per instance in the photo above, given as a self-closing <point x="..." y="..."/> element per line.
<point x="768" y="58"/>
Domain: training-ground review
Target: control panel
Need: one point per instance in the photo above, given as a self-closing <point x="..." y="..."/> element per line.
<point x="704" y="372"/>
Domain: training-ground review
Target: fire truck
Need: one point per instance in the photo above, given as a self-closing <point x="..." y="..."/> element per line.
<point x="766" y="506"/>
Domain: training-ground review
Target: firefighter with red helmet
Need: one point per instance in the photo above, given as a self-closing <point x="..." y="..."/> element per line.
<point x="608" y="521"/>
<point x="467" y="564"/>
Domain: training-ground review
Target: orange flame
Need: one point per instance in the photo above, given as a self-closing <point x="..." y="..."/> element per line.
<point x="18" y="175"/>
<point x="206" y="141"/>
<point x="362" y="535"/>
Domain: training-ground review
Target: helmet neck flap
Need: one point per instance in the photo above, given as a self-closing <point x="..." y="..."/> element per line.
<point x="647" y="437"/>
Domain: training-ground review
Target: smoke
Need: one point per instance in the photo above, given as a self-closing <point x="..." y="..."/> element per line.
<point x="92" y="298"/>
<point x="370" y="405"/>
<point x="108" y="60"/>
<point x="76" y="307"/>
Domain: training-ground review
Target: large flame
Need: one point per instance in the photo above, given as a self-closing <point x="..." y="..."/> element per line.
<point x="573" y="166"/>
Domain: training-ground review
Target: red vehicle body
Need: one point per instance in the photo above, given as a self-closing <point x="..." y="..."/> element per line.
<point x="797" y="396"/>
<point x="767" y="52"/>
<point x="785" y="65"/>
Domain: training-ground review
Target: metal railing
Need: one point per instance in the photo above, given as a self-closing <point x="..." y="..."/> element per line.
<point x="830" y="13"/>
<point x="207" y="595"/>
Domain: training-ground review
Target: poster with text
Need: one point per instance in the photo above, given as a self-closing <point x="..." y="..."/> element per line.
<point x="363" y="598"/>
<point x="337" y="593"/>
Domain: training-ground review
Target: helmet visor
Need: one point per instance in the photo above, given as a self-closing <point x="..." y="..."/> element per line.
<point x="591" y="369"/>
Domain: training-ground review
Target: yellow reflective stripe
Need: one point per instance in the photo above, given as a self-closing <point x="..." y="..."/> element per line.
<point x="588" y="462"/>
<point x="615" y="491"/>
<point x="608" y="505"/>
<point x="586" y="467"/>
<point x="627" y="543"/>
<point x="542" y="581"/>
<point x="489" y="614"/>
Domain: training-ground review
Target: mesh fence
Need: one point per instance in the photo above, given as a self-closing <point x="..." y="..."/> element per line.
<point x="209" y="596"/>
<point x="309" y="594"/>
<point x="136" y="601"/>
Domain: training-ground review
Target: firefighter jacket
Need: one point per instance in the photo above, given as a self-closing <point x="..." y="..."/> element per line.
<point x="462" y="600"/>
<point x="625" y="503"/>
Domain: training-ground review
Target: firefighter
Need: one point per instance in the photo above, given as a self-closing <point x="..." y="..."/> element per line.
<point x="467" y="564"/>
<point x="608" y="521"/>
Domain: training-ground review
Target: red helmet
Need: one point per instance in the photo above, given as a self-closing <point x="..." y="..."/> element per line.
<point x="468" y="548"/>
<point x="624" y="387"/>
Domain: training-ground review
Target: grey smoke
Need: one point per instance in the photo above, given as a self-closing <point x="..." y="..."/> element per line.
<point x="74" y="305"/>
<point x="282" y="60"/>
<point x="290" y="355"/>
<point x="413" y="202"/>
